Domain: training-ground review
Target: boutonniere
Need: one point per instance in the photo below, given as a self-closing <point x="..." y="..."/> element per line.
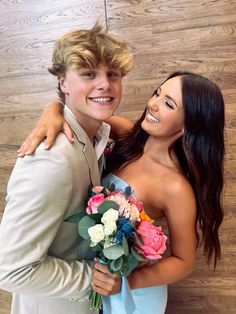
<point x="109" y="147"/>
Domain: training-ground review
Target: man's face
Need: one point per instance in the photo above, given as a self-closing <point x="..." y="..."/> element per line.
<point x="92" y="94"/>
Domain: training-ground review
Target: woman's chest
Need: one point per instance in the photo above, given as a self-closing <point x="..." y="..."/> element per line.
<point x="147" y="189"/>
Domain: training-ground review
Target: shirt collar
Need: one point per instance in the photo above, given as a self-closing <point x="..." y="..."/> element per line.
<point x="101" y="137"/>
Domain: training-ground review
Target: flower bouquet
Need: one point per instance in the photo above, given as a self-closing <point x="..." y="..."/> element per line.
<point x="119" y="231"/>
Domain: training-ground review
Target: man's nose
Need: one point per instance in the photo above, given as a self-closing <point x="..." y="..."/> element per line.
<point x="103" y="83"/>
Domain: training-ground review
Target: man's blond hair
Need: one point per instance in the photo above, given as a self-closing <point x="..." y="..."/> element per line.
<point x="89" y="48"/>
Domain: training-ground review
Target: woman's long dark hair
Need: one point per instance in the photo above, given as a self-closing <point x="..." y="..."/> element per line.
<point x="200" y="152"/>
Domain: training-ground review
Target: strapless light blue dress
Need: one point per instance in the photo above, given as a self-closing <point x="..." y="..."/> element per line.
<point x="150" y="300"/>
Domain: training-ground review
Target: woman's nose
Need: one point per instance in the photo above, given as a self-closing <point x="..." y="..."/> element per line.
<point x="154" y="104"/>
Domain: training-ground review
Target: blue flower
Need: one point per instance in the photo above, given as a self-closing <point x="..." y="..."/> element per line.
<point x="124" y="229"/>
<point x="119" y="236"/>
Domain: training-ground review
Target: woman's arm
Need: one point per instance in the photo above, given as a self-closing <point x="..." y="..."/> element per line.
<point x="50" y="124"/>
<point x="119" y="125"/>
<point x="180" y="213"/>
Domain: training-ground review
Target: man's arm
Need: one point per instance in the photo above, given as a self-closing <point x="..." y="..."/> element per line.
<point x="39" y="192"/>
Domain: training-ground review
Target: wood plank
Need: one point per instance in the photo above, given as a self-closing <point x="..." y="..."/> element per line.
<point x="28" y="30"/>
<point x="199" y="37"/>
<point x="164" y="36"/>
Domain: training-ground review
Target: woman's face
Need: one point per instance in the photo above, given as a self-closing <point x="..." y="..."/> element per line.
<point x="164" y="116"/>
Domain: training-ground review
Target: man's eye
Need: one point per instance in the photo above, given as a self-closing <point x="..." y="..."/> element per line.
<point x="89" y="74"/>
<point x="112" y="74"/>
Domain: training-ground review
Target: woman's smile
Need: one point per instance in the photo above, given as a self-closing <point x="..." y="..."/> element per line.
<point x="150" y="118"/>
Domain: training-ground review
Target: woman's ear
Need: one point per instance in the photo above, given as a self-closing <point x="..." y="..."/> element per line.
<point x="63" y="85"/>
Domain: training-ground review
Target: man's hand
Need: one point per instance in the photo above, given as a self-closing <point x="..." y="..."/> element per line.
<point x="104" y="282"/>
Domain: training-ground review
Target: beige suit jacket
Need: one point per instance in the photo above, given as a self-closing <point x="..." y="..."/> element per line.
<point x="43" y="261"/>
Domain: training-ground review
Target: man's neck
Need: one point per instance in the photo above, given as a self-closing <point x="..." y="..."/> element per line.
<point x="90" y="125"/>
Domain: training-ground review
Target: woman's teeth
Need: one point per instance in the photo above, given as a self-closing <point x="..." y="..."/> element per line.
<point x="150" y="117"/>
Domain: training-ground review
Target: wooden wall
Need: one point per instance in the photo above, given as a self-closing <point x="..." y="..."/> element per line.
<point x="164" y="36"/>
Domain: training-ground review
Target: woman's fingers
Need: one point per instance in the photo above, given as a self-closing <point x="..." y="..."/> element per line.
<point x="32" y="142"/>
<point x="48" y="133"/>
<point x="68" y="132"/>
<point x="50" y="124"/>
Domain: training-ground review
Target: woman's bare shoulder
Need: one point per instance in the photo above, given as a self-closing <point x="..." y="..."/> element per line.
<point x="171" y="190"/>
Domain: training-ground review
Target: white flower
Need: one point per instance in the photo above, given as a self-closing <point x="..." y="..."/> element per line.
<point x="96" y="233"/>
<point x="110" y="227"/>
<point x="110" y="215"/>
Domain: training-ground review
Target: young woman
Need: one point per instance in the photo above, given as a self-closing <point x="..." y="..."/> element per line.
<point x="172" y="158"/>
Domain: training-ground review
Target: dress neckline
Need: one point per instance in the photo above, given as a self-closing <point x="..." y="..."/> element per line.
<point x="125" y="182"/>
<point x="132" y="190"/>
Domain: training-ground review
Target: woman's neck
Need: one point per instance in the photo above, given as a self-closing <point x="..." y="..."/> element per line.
<point x="160" y="151"/>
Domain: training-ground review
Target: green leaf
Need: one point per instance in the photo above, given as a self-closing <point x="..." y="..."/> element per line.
<point x="132" y="263"/>
<point x="114" y="251"/>
<point x="75" y="218"/>
<point x="107" y="205"/>
<point x="96" y="217"/>
<point x="84" y="224"/>
<point x="97" y="248"/>
<point x="137" y="255"/>
<point x="116" y="265"/>
<point x="104" y="191"/>
<point x="137" y="240"/>
<point x="125" y="246"/>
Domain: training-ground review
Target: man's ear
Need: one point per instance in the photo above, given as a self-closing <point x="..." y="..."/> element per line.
<point x="63" y="85"/>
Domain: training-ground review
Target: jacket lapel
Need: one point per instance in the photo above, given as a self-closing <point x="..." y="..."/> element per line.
<point x="88" y="149"/>
<point x="101" y="164"/>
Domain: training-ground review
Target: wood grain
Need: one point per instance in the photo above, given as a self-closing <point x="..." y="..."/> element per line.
<point x="164" y="36"/>
<point x="199" y="37"/>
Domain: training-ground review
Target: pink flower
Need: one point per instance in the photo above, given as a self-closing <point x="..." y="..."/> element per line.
<point x="98" y="189"/>
<point x="93" y="203"/>
<point x="121" y="200"/>
<point x="107" y="151"/>
<point x="154" y="240"/>
<point x="137" y="203"/>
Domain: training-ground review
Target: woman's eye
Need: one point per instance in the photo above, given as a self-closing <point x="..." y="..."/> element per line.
<point x="157" y="93"/>
<point x="169" y="105"/>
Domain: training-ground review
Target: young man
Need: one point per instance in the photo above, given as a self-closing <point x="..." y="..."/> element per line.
<point x="43" y="261"/>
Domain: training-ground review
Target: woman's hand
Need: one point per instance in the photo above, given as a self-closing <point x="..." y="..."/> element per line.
<point x="49" y="126"/>
<point x="104" y="282"/>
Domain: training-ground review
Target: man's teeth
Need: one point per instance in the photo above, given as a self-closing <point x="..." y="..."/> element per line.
<point x="150" y="117"/>
<point x="102" y="99"/>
